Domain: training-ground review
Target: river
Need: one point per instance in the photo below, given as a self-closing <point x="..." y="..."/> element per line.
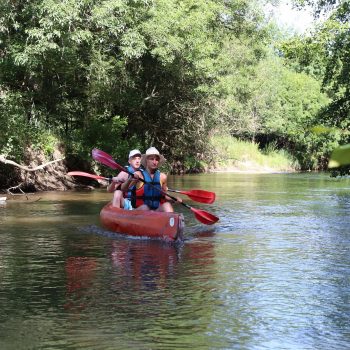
<point x="273" y="273"/>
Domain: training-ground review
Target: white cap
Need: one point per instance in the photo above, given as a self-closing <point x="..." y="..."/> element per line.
<point x="151" y="152"/>
<point x="134" y="152"/>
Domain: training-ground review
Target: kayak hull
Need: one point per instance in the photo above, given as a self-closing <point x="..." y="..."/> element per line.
<point x="143" y="223"/>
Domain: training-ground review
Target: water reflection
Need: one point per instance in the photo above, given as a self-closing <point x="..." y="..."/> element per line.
<point x="272" y="274"/>
<point x="148" y="264"/>
<point x="80" y="276"/>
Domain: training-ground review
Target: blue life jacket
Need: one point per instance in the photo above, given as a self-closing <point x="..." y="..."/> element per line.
<point x="131" y="194"/>
<point x="152" y="194"/>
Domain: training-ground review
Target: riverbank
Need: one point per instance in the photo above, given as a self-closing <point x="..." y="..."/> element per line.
<point x="234" y="170"/>
<point x="237" y="156"/>
<point x="40" y="173"/>
<point x="228" y="155"/>
<point x="249" y="167"/>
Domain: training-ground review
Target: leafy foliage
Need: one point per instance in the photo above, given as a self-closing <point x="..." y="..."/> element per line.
<point x="331" y="48"/>
<point x="75" y="65"/>
<point x="340" y="156"/>
<point x="123" y="74"/>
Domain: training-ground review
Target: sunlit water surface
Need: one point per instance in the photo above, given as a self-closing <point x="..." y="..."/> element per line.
<point x="272" y="274"/>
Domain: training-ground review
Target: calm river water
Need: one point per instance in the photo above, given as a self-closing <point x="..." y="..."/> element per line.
<point x="274" y="273"/>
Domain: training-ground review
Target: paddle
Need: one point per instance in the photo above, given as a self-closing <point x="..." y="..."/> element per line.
<point x="201" y="215"/>
<point x="92" y="176"/>
<point x="200" y="196"/>
<point x="196" y="195"/>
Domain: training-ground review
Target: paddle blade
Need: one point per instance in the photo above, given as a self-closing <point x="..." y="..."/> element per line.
<point x="204" y="217"/>
<point x="105" y="159"/>
<point x="200" y="196"/>
<point x="92" y="176"/>
<point x="103" y="154"/>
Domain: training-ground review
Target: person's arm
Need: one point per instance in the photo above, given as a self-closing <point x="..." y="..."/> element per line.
<point x="130" y="181"/>
<point x="113" y="185"/>
<point x="117" y="181"/>
<point x="164" y="184"/>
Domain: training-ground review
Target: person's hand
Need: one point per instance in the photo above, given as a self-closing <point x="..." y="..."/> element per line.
<point x="179" y="200"/>
<point x="173" y="199"/>
<point x="135" y="176"/>
<point x="115" y="179"/>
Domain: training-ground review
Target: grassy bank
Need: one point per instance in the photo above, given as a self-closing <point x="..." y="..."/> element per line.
<point x="235" y="155"/>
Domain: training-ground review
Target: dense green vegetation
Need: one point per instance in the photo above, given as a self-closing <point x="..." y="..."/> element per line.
<point x="241" y="155"/>
<point x="325" y="55"/>
<point x="173" y="74"/>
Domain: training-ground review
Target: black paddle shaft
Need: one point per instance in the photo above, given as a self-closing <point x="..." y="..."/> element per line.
<point x="160" y="190"/>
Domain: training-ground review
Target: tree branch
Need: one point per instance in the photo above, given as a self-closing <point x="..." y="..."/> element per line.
<point x="6" y="161"/>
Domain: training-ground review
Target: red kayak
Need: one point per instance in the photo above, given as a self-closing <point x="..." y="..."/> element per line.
<point x="143" y="223"/>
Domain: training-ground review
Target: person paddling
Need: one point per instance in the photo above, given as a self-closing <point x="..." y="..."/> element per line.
<point x="124" y="194"/>
<point x="148" y="195"/>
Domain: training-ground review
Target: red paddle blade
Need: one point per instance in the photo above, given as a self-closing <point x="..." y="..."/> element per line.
<point x="101" y="157"/>
<point x="204" y="217"/>
<point x="92" y="176"/>
<point x="103" y="154"/>
<point x="200" y="196"/>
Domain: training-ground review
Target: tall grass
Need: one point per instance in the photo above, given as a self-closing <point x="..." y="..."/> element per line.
<point x="243" y="155"/>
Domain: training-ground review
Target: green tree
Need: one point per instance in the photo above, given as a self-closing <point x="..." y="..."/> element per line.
<point x="112" y="72"/>
<point x="334" y="42"/>
<point x="280" y="106"/>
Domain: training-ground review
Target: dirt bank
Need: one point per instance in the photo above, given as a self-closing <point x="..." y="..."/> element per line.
<point x="52" y="177"/>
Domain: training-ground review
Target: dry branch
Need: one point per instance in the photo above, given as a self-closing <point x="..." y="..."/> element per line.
<point x="20" y="194"/>
<point x="6" y="161"/>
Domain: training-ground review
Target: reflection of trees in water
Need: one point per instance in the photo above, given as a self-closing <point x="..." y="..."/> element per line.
<point x="146" y="291"/>
<point x="149" y="267"/>
<point x="146" y="264"/>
